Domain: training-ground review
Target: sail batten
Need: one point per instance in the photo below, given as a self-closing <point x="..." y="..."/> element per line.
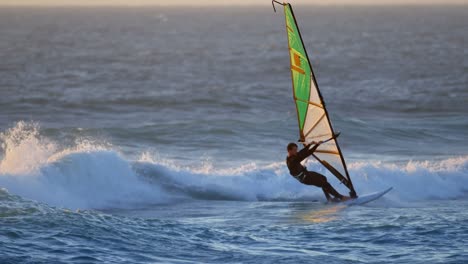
<point x="313" y="119"/>
<point x="309" y="102"/>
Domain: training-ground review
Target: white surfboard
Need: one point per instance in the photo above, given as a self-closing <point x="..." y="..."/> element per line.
<point x="363" y="199"/>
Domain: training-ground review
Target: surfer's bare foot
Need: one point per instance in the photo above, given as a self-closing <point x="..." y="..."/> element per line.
<point x="345" y="198"/>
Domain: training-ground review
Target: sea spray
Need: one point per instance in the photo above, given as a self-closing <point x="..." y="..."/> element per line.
<point x="23" y="150"/>
<point x="86" y="175"/>
<point x="91" y="175"/>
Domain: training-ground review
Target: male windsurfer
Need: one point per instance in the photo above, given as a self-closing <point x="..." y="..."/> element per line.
<point x="309" y="177"/>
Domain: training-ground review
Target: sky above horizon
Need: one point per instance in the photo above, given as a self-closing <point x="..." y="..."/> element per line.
<point x="223" y="2"/>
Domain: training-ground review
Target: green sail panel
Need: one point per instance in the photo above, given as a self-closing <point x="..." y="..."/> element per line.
<point x="300" y="68"/>
<point x="313" y="120"/>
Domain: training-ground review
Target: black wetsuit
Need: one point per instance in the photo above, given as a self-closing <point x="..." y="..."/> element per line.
<point x="309" y="177"/>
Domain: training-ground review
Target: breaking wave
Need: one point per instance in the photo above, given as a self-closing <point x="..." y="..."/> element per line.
<point x="93" y="175"/>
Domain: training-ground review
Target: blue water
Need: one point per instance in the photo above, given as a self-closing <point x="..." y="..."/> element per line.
<point x="142" y="135"/>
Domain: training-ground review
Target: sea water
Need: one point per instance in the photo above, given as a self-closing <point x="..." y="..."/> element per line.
<point x="142" y="135"/>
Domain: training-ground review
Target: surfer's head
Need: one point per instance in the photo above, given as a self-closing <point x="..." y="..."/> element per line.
<point x="292" y="148"/>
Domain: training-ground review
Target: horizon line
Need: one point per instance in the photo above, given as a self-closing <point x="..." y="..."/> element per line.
<point x="230" y="5"/>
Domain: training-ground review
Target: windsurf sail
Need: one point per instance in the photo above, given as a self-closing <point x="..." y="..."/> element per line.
<point x="313" y="119"/>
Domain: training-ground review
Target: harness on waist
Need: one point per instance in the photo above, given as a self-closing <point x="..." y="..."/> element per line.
<point x="301" y="176"/>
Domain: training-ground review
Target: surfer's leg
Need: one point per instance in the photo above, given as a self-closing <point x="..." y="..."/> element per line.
<point x="317" y="179"/>
<point x="328" y="188"/>
<point x="327" y="195"/>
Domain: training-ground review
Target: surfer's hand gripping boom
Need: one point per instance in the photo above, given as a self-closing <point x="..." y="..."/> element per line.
<point x="323" y="141"/>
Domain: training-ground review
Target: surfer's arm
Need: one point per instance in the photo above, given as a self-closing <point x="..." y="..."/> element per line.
<point x="314" y="148"/>
<point x="307" y="151"/>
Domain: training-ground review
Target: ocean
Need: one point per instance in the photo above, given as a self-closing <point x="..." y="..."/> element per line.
<point x="158" y="135"/>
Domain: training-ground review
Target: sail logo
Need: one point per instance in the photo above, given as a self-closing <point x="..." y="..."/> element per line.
<point x="296" y="61"/>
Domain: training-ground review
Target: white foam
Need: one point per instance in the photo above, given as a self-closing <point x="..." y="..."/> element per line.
<point x="84" y="176"/>
<point x="414" y="181"/>
<point x="23" y="150"/>
<point x="89" y="175"/>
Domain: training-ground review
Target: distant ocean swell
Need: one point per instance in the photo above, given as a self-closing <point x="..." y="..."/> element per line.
<point x="95" y="175"/>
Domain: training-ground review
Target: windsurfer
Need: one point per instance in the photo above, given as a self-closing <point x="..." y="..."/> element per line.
<point x="298" y="171"/>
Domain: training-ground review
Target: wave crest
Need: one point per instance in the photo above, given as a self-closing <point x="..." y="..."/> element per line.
<point x="90" y="175"/>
